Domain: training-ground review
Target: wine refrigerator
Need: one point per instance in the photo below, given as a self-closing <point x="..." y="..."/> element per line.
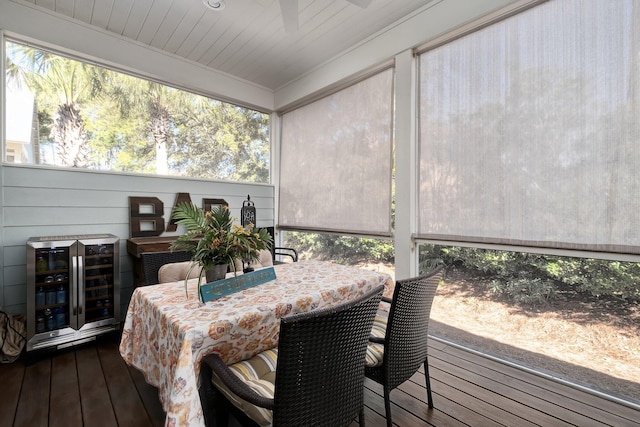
<point x="73" y="289"/>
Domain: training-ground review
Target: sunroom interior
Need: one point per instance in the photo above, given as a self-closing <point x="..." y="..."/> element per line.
<point x="505" y="125"/>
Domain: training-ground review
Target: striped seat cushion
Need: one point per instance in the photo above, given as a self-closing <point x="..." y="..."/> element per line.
<point x="259" y="373"/>
<point x="375" y="351"/>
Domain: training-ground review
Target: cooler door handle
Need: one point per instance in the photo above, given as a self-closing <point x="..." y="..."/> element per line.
<point x="74" y="286"/>
<point x="80" y="282"/>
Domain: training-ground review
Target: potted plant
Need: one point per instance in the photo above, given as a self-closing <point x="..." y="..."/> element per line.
<point x="215" y="241"/>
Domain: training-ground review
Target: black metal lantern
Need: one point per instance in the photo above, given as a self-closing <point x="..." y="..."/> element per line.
<point x="248" y="220"/>
<point x="248" y="213"/>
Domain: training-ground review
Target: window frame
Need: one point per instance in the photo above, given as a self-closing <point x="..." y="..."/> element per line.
<point x="11" y="37"/>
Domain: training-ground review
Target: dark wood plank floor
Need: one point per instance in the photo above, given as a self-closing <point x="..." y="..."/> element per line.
<point x="92" y="386"/>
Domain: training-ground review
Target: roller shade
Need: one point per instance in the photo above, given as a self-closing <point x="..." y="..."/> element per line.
<point x="530" y="130"/>
<point x="336" y="161"/>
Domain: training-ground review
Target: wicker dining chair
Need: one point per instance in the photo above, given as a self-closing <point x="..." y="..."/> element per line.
<point x="280" y="251"/>
<point x="152" y="261"/>
<point x="314" y="378"/>
<point x="398" y="342"/>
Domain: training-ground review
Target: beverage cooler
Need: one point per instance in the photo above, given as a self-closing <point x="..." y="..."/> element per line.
<point x="73" y="289"/>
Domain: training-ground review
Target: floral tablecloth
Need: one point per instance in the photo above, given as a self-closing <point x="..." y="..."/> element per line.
<point x="166" y="334"/>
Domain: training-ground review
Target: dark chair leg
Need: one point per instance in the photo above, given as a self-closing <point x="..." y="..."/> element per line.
<point x="361" y="417"/>
<point x="221" y="411"/>
<point x="214" y="409"/>
<point x="428" y="383"/>
<point x="387" y="405"/>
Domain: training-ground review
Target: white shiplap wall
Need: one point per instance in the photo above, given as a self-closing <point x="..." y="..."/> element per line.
<point x="45" y="202"/>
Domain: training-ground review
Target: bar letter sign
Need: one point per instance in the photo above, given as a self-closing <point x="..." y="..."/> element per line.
<point x="224" y="287"/>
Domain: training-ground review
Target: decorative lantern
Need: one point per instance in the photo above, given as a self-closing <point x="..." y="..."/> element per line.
<point x="248" y="213"/>
<point x="248" y="220"/>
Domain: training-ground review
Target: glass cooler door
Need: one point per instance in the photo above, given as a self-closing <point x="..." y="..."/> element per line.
<point x="98" y="280"/>
<point x="52" y="288"/>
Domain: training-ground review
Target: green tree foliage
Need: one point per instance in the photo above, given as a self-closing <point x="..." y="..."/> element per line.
<point x="534" y="278"/>
<point x="62" y="87"/>
<point x="217" y="140"/>
<point x="96" y="118"/>
<point x="119" y="142"/>
<point x="341" y="249"/>
<point x="525" y="278"/>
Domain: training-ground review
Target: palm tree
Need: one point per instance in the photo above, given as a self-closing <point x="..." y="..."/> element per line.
<point x="160" y="103"/>
<point x="91" y="109"/>
<point x="62" y="86"/>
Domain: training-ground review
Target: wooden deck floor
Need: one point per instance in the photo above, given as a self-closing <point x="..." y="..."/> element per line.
<point x="92" y="386"/>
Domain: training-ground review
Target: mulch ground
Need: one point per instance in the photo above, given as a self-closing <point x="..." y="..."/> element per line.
<point x="590" y="341"/>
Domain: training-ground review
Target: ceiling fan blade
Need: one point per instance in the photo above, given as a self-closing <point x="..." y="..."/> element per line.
<point x="289" y="11"/>
<point x="361" y="3"/>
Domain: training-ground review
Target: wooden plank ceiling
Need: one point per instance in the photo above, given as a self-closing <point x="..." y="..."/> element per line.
<point x="247" y="39"/>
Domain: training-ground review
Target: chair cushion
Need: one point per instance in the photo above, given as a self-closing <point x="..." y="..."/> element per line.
<point x="375" y="351"/>
<point x="176" y="271"/>
<point x="265" y="260"/>
<point x="259" y="373"/>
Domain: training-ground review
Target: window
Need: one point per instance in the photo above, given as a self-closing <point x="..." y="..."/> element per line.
<point x="529" y="130"/>
<point x="575" y="319"/>
<point x="336" y="160"/>
<point x="527" y="138"/>
<point x="68" y="113"/>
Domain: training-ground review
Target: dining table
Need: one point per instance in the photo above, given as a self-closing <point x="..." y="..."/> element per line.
<point x="168" y="331"/>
